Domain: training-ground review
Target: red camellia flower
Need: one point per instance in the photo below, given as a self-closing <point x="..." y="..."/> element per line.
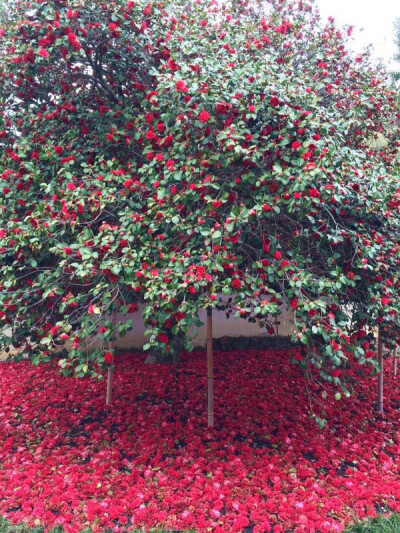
<point x="128" y="183"/>
<point x="296" y="145"/>
<point x="72" y="39"/>
<point x="181" y="86"/>
<point x="222" y="108"/>
<point x="71" y="186"/>
<point x="68" y="250"/>
<point x="236" y="283"/>
<point x="277" y="254"/>
<point x="294" y="303"/>
<point x="71" y="14"/>
<point x="163" y="338"/>
<point x="204" y="116"/>
<point x="108" y="358"/>
<point x="274" y="101"/>
<point x="43" y="52"/>
<point x="147" y="9"/>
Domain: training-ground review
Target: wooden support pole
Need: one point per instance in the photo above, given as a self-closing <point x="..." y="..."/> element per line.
<point x="380" y="375"/>
<point x="395" y="362"/>
<point x="210" y="370"/>
<point x="112" y="344"/>
<point x="109" y="385"/>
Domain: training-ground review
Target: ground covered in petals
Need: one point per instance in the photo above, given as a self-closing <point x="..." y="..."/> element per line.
<point x="149" y="460"/>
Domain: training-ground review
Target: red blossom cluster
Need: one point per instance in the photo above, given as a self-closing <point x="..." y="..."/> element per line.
<point x="149" y="459"/>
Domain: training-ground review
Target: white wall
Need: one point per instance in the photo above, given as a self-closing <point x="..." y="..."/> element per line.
<point x="222" y="327"/>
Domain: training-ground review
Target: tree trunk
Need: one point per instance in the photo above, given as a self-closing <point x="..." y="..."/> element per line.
<point x="172" y="358"/>
<point x="155" y="357"/>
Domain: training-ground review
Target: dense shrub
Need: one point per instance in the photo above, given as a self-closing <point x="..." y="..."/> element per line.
<point x="170" y="152"/>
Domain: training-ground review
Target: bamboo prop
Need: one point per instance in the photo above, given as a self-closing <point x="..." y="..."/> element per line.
<point x="110" y="374"/>
<point x="110" y="371"/>
<point x="380" y="375"/>
<point x="210" y="370"/>
<point x="395" y="362"/>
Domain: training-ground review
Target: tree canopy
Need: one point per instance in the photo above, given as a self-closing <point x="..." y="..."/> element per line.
<point x="170" y="152"/>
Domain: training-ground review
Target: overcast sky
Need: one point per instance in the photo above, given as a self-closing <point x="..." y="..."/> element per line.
<point x="373" y="20"/>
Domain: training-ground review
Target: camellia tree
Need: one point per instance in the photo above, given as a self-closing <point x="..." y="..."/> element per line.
<point x="173" y="152"/>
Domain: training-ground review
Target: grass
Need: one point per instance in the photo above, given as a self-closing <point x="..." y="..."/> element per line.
<point x="377" y="525"/>
<point x="6" y="527"/>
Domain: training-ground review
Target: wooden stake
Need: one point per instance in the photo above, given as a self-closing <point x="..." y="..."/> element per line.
<point x="380" y="375"/>
<point x="210" y="370"/>
<point x="109" y="385"/>
<point x="112" y="344"/>
<point x="395" y="362"/>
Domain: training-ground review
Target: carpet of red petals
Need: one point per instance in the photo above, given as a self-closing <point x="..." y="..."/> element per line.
<point x="149" y="460"/>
